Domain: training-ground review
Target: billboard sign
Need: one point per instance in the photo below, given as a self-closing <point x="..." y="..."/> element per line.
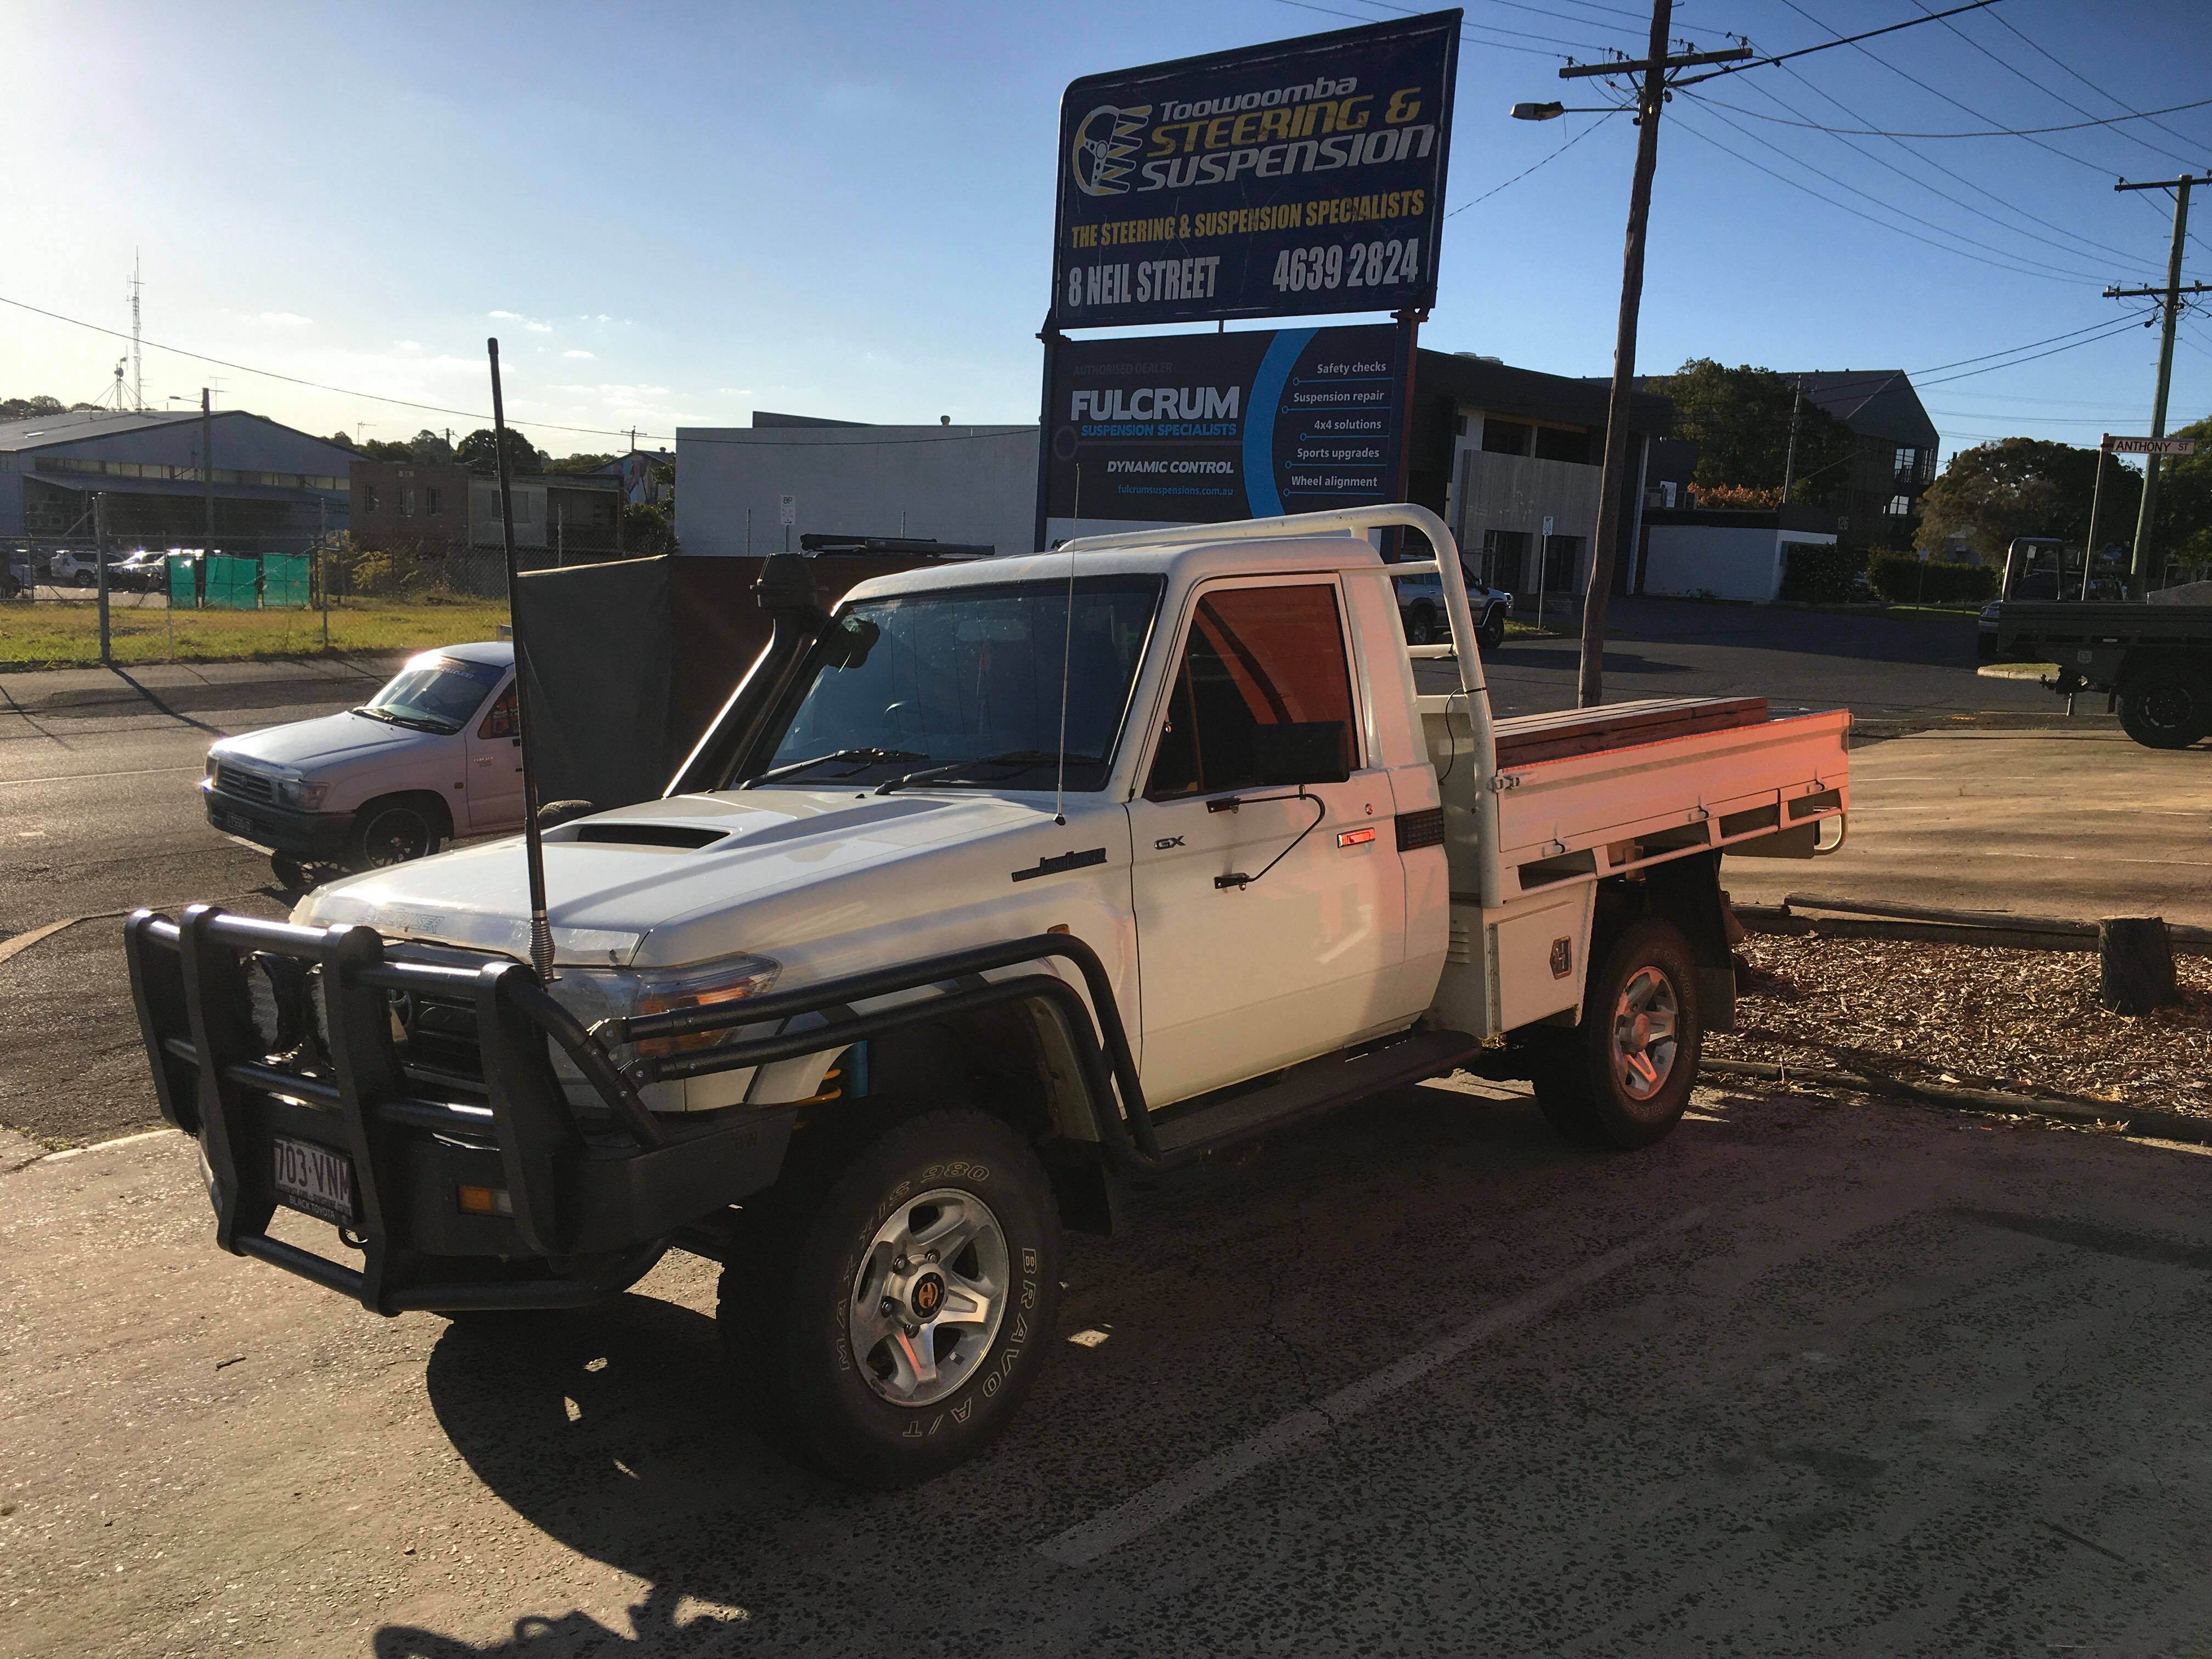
<point x="1204" y="429"/>
<point x="1291" y="180"/>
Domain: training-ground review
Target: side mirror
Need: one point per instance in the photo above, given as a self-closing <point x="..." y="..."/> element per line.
<point x="1297" y="753"/>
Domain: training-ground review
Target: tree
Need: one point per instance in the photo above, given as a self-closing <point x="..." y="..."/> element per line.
<point x="477" y="452"/>
<point x="430" y="448"/>
<point x="647" y="529"/>
<point x="570" y="464"/>
<point x="2013" y="487"/>
<point x="343" y="440"/>
<point x="27" y="409"/>
<point x="1740" y="418"/>
<point x="2184" y="534"/>
<point x="386" y="449"/>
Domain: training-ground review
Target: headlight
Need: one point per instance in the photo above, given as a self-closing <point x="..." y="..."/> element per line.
<point x="593" y="993"/>
<point x="299" y="793"/>
<point x="726" y="980"/>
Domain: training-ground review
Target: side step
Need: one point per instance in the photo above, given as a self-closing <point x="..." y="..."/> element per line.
<point x="1316" y="1086"/>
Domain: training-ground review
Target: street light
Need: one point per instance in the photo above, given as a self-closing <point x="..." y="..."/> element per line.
<point x="1553" y="112"/>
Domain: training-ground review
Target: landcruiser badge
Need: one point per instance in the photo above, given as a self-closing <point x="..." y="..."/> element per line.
<point x="926" y="1297"/>
<point x="1563" y="957"/>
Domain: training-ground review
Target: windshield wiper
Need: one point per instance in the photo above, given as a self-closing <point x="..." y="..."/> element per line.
<point x="1016" y="761"/>
<point x="864" y="757"/>
<point x="418" y="722"/>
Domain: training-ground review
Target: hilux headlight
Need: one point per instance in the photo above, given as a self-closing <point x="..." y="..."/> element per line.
<point x="302" y="794"/>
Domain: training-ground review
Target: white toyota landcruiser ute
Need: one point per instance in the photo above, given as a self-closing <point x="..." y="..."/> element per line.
<point x="1009" y="884"/>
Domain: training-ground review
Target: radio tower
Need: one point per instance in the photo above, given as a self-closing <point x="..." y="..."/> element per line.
<point x="137" y="379"/>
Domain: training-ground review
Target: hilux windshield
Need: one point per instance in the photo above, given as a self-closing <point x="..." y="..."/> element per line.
<point x="438" y="695"/>
<point x="965" y="685"/>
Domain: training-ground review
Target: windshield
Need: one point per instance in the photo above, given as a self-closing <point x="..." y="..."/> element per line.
<point x="438" y="693"/>
<point x="965" y="684"/>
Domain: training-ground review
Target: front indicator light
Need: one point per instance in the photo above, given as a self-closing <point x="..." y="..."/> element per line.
<point x="487" y="1201"/>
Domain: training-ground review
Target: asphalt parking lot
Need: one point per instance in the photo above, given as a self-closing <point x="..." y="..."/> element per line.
<point x="1808" y="1377"/>
<point x="1805" y="1378"/>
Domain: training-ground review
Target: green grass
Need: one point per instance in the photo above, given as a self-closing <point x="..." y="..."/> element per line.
<point x="66" y="634"/>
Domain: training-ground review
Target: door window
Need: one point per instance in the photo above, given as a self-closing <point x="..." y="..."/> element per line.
<point x="500" y="721"/>
<point x="1256" y="656"/>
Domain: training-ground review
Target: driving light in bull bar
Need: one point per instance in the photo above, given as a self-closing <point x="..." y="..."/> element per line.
<point x="487" y="1201"/>
<point x="728" y="979"/>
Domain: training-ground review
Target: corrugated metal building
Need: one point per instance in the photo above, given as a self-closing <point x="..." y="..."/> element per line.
<point x="273" y="485"/>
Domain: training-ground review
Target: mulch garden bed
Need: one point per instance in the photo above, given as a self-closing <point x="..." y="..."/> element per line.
<point x="1974" y="1017"/>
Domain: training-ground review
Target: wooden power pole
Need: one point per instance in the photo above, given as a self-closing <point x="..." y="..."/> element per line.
<point x="2169" y="298"/>
<point x="1613" y="478"/>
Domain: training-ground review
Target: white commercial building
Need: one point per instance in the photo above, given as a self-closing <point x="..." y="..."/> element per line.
<point x="972" y="484"/>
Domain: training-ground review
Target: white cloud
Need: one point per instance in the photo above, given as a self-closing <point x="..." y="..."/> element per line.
<point x="286" y="319"/>
<point x="735" y="390"/>
<point x="408" y="345"/>
<point x="592" y="354"/>
<point x="535" y="324"/>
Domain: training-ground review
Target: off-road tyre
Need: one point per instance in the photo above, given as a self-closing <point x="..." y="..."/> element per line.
<point x="1490" y="634"/>
<point x="1578" y="1071"/>
<point x="788" y="1300"/>
<point x="2168" y="706"/>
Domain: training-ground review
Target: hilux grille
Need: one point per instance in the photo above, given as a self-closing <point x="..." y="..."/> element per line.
<point x="245" y="785"/>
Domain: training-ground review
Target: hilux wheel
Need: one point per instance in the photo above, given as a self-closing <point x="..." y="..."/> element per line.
<point x="2169" y="706"/>
<point x="1622" y="1077"/>
<point x="883" y="1322"/>
<point x="389" y="832"/>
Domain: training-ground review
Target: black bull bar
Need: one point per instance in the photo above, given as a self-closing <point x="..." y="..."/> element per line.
<point x="596" y="1196"/>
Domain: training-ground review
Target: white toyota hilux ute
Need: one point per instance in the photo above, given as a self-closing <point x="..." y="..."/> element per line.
<point x="1005" y="885"/>
<point x="435" y="755"/>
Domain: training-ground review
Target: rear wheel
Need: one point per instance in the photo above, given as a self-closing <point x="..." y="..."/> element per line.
<point x="2168" y="706"/>
<point x="1420" y="626"/>
<point x="1622" y="1077"/>
<point x="882" y="1322"/>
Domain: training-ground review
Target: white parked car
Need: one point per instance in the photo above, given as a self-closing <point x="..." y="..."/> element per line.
<point x="435" y="755"/>
<point x="74" y="566"/>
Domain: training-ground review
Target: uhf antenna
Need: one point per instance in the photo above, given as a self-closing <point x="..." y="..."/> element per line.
<point x="138" y="378"/>
<point x="533" y="844"/>
<point x="1067" y="658"/>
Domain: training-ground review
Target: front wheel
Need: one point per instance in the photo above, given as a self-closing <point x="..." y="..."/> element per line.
<point x="1492" y="634"/>
<point x="2168" y="708"/>
<point x="390" y="832"/>
<point x="883" y="1323"/>
<point x="1622" y="1077"/>
<point x="1420" y="626"/>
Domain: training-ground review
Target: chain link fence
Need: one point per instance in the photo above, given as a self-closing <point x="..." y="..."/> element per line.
<point x="68" y="601"/>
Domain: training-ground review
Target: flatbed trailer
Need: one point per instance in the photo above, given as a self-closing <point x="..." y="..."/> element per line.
<point x="2153" y="661"/>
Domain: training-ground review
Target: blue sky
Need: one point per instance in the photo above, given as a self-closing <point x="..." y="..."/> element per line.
<point x="676" y="214"/>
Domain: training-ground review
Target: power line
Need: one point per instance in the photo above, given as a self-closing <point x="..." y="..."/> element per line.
<point x="1526" y="171"/>
<point x="1990" y="132"/>
<point x="1496" y="46"/>
<point x="1928" y="160"/>
<point x="2046" y="91"/>
<point x="316" y="386"/>
<point x="1845" y="40"/>
<point x="2023" y="260"/>
<point x="2119" y="328"/>
<point x="2018" y="271"/>
<point x="1999" y="19"/>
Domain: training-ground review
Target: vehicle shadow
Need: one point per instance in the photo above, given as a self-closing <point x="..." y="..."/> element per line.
<point x="614" y="1430"/>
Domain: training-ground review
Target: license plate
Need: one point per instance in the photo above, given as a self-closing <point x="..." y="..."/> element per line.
<point x="314" y="1179"/>
<point x="236" y="823"/>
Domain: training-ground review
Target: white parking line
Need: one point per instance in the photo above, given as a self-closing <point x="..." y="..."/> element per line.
<point x="108" y="1145"/>
<point x="1127" y="1521"/>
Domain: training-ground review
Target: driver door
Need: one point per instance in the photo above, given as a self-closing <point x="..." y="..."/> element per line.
<point x="494" y="773"/>
<point x="1244" y="979"/>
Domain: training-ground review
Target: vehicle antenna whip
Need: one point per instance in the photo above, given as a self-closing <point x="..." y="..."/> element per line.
<point x="1067" y="658"/>
<point x="533" y="845"/>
